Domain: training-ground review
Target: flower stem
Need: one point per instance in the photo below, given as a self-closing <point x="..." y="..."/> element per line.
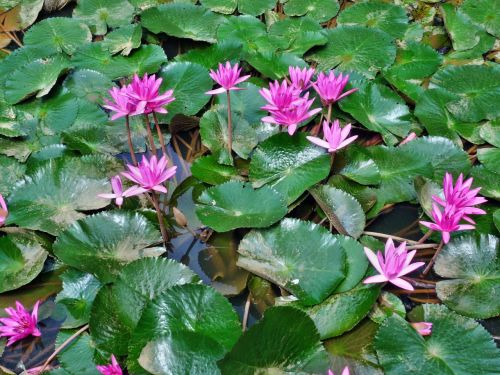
<point x="159" y="214"/>
<point x="150" y="134"/>
<point x="425" y="237"/>
<point x="160" y="134"/>
<point x="329" y="113"/>
<point x="245" y="314"/>
<point x="383" y="235"/>
<point x="431" y="263"/>
<point x="129" y="139"/>
<point x="62" y="346"/>
<point x="229" y="124"/>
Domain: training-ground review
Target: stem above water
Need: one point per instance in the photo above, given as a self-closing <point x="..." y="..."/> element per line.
<point x="431" y="263"/>
<point x="159" y="214"/>
<point x="160" y="134"/>
<point x="229" y="123"/>
<point x="152" y="145"/>
<point x="129" y="139"/>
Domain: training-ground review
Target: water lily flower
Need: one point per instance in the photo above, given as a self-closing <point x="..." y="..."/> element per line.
<point x="118" y="194"/>
<point x="121" y="104"/>
<point x="410" y="137"/>
<point x="20" y="323"/>
<point x="227" y="77"/>
<point x="150" y="174"/>
<point x="460" y="197"/>
<point x="145" y="95"/>
<point x="335" y="137"/>
<point x="111" y="369"/>
<point x="329" y="87"/>
<point x="396" y="262"/>
<point x="4" y="212"/>
<point x="446" y="222"/>
<point x="424" y="328"/>
<point x="344" y="372"/>
<point x="300" y="78"/>
<point x="280" y="97"/>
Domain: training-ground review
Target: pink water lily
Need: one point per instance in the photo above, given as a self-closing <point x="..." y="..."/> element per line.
<point x="150" y="174"/>
<point x="121" y="104"/>
<point x="300" y="78"/>
<point x="118" y="194"/>
<point x="344" y="372"/>
<point x="335" y="137"/>
<point x="4" y="212"/>
<point x="20" y="323"/>
<point x="280" y="97"/>
<point x="227" y="77"/>
<point x="145" y="95"/>
<point x="446" y="222"/>
<point x="391" y="266"/>
<point x="410" y="137"/>
<point x="423" y="328"/>
<point x="112" y="369"/>
<point x="329" y="87"/>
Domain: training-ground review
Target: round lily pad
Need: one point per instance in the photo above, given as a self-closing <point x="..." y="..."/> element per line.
<point x="485" y="13"/>
<point x="99" y="14"/>
<point x="320" y="10"/>
<point x="208" y="170"/>
<point x="12" y="171"/>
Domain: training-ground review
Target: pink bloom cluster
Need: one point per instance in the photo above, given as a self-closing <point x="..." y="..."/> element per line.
<point x="20" y="323"/>
<point x="141" y="96"/>
<point x="329" y="87"/>
<point x="335" y="137"/>
<point x="458" y="203"/>
<point x="227" y="77"/>
<point x="4" y="212"/>
<point x="111" y="369"/>
<point x="396" y="262"/>
<point x="423" y="328"/>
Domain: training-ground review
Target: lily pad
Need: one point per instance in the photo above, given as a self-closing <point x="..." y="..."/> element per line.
<point x="209" y="171"/>
<point x="356" y="48"/>
<point x="124" y="39"/>
<point x="246" y="30"/>
<point x="284" y="341"/>
<point x="484" y="13"/>
<point x="288" y="164"/>
<point x="320" y="10"/>
<point x="487" y="180"/>
<point x="211" y="56"/>
<point x="453" y="338"/>
<point x="191" y="317"/>
<point x="12" y="171"/>
<point x="302" y="257"/>
<point x="100" y="14"/>
<point x="274" y="65"/>
<point x="489" y="157"/>
<point x="77" y="358"/>
<point x="233" y="205"/>
<point x="220" y="6"/>
<point x="104" y="243"/>
<point x="473" y="264"/>
<point x="359" y="167"/>
<point x="490" y="132"/>
<point x="343" y="211"/>
<point x="88" y="84"/>
<point x="463" y="32"/>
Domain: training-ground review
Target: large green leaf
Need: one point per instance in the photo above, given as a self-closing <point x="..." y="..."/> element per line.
<point x="297" y="35"/>
<point x="356" y="48"/>
<point x="221" y="6"/>
<point x="366" y="196"/>
<point x="247" y="30"/>
<point x="320" y="10"/>
<point x="104" y="243"/>
<point x="285" y="341"/>
<point x="12" y="171"/>
<point x="77" y="296"/>
<point x="182" y="21"/>
<point x="211" y="56"/>
<point x="484" y="13"/>
<point x="21" y="260"/>
<point x="463" y="32"/>
<point x="118" y="307"/>
<point x="475" y="85"/>
<point x="124" y="39"/>
<point x="78" y="357"/>
<point x="60" y="34"/>
<point x="489" y="157"/>
<point x="487" y="180"/>
<point x="357" y="166"/>
<point x="255" y="7"/>
<point x="88" y="84"/>
<point x="299" y="256"/>
<point x="191" y="318"/>
<point x="343" y="211"/>
<point x="356" y="263"/>
<point x="274" y="65"/>
<point x="473" y="264"/>
<point x="289" y="164"/>
<point x="99" y="14"/>
<point x="387" y="17"/>
<point x="457" y="346"/>
<point x="237" y="205"/>
<point x="209" y="171"/>
<point x="379" y="109"/>
<point x="53" y="196"/>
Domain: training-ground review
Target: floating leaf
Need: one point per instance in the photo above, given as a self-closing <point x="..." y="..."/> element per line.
<point x="233" y="205"/>
<point x="182" y="21"/>
<point x="320" y="10"/>
<point x="246" y="30"/>
<point x="359" y="167"/>
<point x="220" y="6"/>
<point x="453" y="338"/>
<point x="124" y="39"/>
<point x="473" y="264"/>
<point x="343" y="211"/>
<point x="289" y="164"/>
<point x="296" y="35"/>
<point x="487" y="180"/>
<point x="209" y="171"/>
<point x="356" y="48"/>
<point x="365" y="195"/>
<point x="274" y="65"/>
<point x="88" y="84"/>
<point x="387" y="305"/>
<point x="12" y="171"/>
<point x="302" y="257"/>
<point x="104" y="243"/>
<point x="489" y="157"/>
<point x="483" y="13"/>
<point x="387" y="17"/>
<point x="490" y="132"/>
<point x="77" y="358"/>
<point x="463" y="32"/>
<point x="211" y="56"/>
<point x="291" y="345"/>
<point x="99" y="14"/>
<point x="188" y="317"/>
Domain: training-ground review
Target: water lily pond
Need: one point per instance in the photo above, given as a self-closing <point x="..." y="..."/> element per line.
<point x="249" y="187"/>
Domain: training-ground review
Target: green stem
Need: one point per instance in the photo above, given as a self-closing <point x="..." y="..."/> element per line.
<point x="160" y="135"/>
<point x="229" y="124"/>
<point x="129" y="139"/>
<point x="150" y="134"/>
<point x="431" y="263"/>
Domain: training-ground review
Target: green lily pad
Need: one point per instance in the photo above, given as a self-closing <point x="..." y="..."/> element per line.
<point x="209" y="171"/>
<point x="182" y="21"/>
<point x="118" y="307"/>
<point x="475" y="85"/>
<point x="54" y="195"/>
<point x="284" y="341"/>
<point x="343" y="211"/>
<point x="233" y="205"/>
<point x="387" y="305"/>
<point x="88" y="84"/>
<point x="359" y="167"/>
<point x="104" y="243"/>
<point x="289" y="164"/>
<point x="77" y="296"/>
<point x="489" y="157"/>
<point x="21" y="260"/>
<point x="274" y="65"/>
<point x="11" y="119"/>
<point x="356" y="263"/>
<point x="356" y="48"/>
<point x="320" y="10"/>
<point x="472" y="262"/>
<point x="496" y="219"/>
<point x="487" y="180"/>
<point x="365" y="195"/>
<point x="60" y="34"/>
<point x="211" y="56"/>
<point x="463" y="32"/>
<point x="302" y="257"/>
<point x="255" y="7"/>
<point x="490" y="132"/>
<point x="425" y="189"/>
<point x="77" y="358"/>
<point x="220" y="6"/>
<point x="189" y="317"/>
<point x="246" y="30"/>
<point x="124" y="39"/>
<point x="379" y="109"/>
<point x="453" y="338"/>
<point x="387" y="17"/>
<point x="100" y="14"/>
<point x="484" y="14"/>
<point x="12" y="171"/>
